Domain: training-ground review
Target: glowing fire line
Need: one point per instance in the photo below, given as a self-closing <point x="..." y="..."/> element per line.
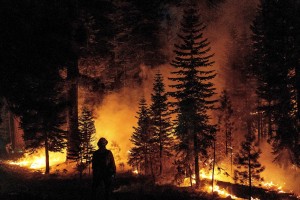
<point x="222" y="192"/>
<point x="37" y="160"/>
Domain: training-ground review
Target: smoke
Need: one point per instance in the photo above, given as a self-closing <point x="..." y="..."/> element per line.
<point x="231" y="17"/>
<point x="285" y="176"/>
<point x="115" y="119"/>
<point x="116" y="116"/>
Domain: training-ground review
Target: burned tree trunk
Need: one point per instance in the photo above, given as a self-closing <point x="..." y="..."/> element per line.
<point x="47" y="170"/>
<point x="73" y="136"/>
<point x="196" y="157"/>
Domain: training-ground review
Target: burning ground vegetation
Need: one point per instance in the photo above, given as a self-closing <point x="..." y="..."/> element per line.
<point x="24" y="178"/>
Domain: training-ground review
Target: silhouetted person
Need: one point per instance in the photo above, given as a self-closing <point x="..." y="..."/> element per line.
<point x="104" y="169"/>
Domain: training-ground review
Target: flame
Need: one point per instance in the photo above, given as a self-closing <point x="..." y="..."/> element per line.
<point x="221" y="191"/>
<point x="135" y="171"/>
<point x="207" y="175"/>
<point x="115" y="120"/>
<point x="273" y="187"/>
<point x="37" y="160"/>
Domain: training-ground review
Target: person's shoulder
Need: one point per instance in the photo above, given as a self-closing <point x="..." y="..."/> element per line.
<point x="108" y="151"/>
<point x="96" y="152"/>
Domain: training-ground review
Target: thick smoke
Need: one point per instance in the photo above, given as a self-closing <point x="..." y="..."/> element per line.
<point x="116" y="116"/>
<point x="287" y="177"/>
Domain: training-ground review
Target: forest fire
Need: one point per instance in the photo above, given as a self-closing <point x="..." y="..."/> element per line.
<point x="199" y="97"/>
<point x="37" y="160"/>
<point x="221" y="191"/>
<point x="272" y="186"/>
<point x="269" y="186"/>
<point x="208" y="188"/>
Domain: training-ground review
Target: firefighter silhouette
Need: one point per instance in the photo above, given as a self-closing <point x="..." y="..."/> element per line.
<point x="104" y="169"/>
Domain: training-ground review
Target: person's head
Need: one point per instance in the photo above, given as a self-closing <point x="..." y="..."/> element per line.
<point x="102" y="142"/>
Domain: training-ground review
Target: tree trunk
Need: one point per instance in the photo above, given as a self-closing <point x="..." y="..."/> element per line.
<point x="160" y="159"/>
<point x="47" y="170"/>
<point x="196" y="157"/>
<point x="269" y="120"/>
<point x="160" y="147"/>
<point x="151" y="168"/>
<point x="249" y="166"/>
<point x="249" y="162"/>
<point x="297" y="79"/>
<point x="226" y="141"/>
<point x="73" y="136"/>
<point x="213" y="169"/>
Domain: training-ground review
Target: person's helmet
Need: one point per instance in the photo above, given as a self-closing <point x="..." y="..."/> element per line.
<point x="102" y="142"/>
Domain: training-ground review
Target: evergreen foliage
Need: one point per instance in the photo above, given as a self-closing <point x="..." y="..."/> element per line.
<point x="225" y="121"/>
<point x="42" y="117"/>
<point x="193" y="90"/>
<point x="141" y="139"/>
<point x="138" y="39"/>
<point x="246" y="160"/>
<point x="160" y="117"/>
<point x="275" y="65"/>
<point x="87" y="131"/>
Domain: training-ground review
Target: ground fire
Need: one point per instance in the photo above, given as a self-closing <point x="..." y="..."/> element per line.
<point x="147" y="100"/>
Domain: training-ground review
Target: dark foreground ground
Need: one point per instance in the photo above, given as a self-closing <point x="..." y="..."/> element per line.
<point x="20" y="184"/>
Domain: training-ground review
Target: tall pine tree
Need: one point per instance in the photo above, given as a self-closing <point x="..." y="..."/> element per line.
<point x="87" y="131"/>
<point x="141" y="138"/>
<point x="226" y="121"/>
<point x="160" y="117"/>
<point x="42" y="116"/>
<point x="193" y="90"/>
<point x="275" y="64"/>
<point x="248" y="166"/>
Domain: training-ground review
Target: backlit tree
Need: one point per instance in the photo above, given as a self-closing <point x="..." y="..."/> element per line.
<point x="160" y="117"/>
<point x="193" y="90"/>
<point x="141" y="139"/>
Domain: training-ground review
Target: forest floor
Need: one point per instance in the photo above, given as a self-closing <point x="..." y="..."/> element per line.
<point x="17" y="183"/>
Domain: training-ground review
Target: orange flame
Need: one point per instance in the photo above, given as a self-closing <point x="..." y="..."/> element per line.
<point x="207" y="175"/>
<point x="37" y="160"/>
<point x="221" y="191"/>
<point x="272" y="186"/>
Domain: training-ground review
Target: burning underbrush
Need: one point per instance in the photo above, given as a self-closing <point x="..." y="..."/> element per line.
<point x="132" y="181"/>
<point x="132" y="184"/>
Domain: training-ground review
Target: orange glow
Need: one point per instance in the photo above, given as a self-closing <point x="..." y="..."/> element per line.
<point x="221" y="191"/>
<point x="207" y="175"/>
<point x="272" y="186"/>
<point x="37" y="160"/>
<point x="115" y="119"/>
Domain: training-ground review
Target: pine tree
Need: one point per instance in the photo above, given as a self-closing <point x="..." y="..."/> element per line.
<point x="141" y="138"/>
<point x="193" y="90"/>
<point x="224" y="140"/>
<point x="248" y="166"/>
<point x="226" y="121"/>
<point x="274" y="64"/>
<point x="87" y="131"/>
<point x="138" y="39"/>
<point x="42" y="116"/>
<point x="160" y="117"/>
<point x="88" y="43"/>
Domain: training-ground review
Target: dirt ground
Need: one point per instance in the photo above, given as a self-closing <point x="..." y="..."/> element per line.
<point x="17" y="183"/>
